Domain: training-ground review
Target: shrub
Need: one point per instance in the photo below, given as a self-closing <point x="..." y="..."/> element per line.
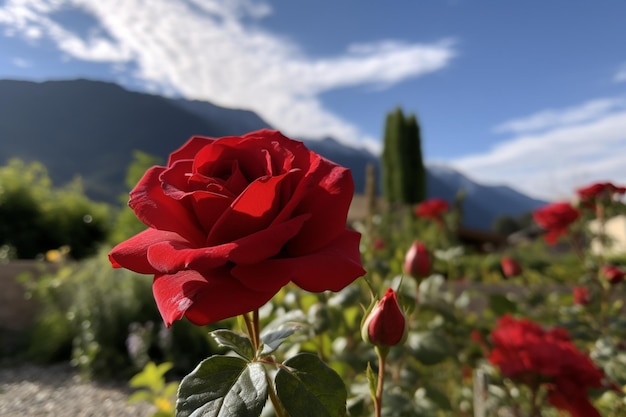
<point x="92" y="314"/>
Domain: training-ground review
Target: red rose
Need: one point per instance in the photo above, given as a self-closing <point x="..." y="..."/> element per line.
<point x="385" y="325"/>
<point x="233" y="220"/>
<point x="433" y="209"/>
<point x="555" y="219"/>
<point x="595" y="191"/>
<point x="581" y="295"/>
<point x="510" y="267"/>
<point x="530" y="355"/>
<point x="613" y="274"/>
<point x="417" y="261"/>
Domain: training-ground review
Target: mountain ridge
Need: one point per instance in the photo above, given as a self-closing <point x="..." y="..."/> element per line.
<point x="90" y="128"/>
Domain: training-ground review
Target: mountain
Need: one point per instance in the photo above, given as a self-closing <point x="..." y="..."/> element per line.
<point x="482" y="203"/>
<point x="90" y="128"/>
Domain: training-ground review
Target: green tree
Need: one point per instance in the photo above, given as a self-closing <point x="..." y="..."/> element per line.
<point x="35" y="217"/>
<point x="403" y="171"/>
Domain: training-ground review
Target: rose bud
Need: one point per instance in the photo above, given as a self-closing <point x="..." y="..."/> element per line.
<point x="510" y="267"/>
<point x="417" y="261"/>
<point x="385" y="324"/>
<point x="613" y="274"/>
<point x="581" y="295"/>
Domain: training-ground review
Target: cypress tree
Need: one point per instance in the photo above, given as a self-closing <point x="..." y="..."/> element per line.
<point x="403" y="172"/>
<point x="415" y="185"/>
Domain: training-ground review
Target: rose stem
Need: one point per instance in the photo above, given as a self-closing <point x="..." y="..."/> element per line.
<point x="382" y="358"/>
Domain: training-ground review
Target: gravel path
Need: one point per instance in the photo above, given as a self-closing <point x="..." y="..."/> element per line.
<point x="29" y="390"/>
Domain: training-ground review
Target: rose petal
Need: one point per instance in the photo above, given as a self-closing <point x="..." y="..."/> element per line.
<point x="326" y="186"/>
<point x="132" y="253"/>
<point x="161" y="212"/>
<point x="252" y="211"/>
<point x="190" y="149"/>
<point x="332" y="268"/>
<point x="171" y="257"/>
<point x="208" y="207"/>
<point x="204" y="299"/>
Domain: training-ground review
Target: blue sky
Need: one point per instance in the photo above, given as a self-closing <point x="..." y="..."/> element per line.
<point x="527" y="93"/>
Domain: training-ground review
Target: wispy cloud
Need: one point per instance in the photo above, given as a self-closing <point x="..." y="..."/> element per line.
<point x="201" y="49"/>
<point x="551" y="163"/>
<point x="552" y="118"/>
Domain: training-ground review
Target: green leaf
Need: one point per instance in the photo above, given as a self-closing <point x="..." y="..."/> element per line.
<point x="237" y="342"/>
<point x="372" y="380"/>
<point x="272" y="340"/>
<point x="501" y="305"/>
<point x="430" y="347"/>
<point x="152" y="376"/>
<point x="307" y="387"/>
<point x="222" y="386"/>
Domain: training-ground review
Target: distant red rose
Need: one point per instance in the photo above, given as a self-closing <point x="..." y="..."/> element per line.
<point x="510" y="267"/>
<point x="233" y="220"/>
<point x="432" y="209"/>
<point x="379" y="243"/>
<point x="596" y="191"/>
<point x="555" y="218"/>
<point x="417" y="262"/>
<point x="612" y="273"/>
<point x="385" y="325"/>
<point x="531" y="355"/>
<point x="581" y="295"/>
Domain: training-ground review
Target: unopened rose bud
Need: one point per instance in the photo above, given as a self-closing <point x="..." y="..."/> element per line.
<point x="417" y="261"/>
<point x="385" y="325"/>
<point x="612" y="274"/>
<point x="510" y="267"/>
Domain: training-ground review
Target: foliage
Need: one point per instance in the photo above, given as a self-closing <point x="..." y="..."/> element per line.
<point x="153" y="388"/>
<point x="36" y="218"/>
<point x="104" y="320"/>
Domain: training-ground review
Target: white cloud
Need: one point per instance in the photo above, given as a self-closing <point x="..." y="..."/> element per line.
<point x="202" y="50"/>
<point x="552" y="118"/>
<point x="552" y="163"/>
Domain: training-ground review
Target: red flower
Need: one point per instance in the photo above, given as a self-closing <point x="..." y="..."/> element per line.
<point x="433" y="209"/>
<point x="233" y="220"/>
<point x="510" y="267"/>
<point x="593" y="192"/>
<point x="590" y="194"/>
<point x="555" y="219"/>
<point x="385" y="325"/>
<point x="379" y="244"/>
<point x="581" y="295"/>
<point x="613" y="274"/>
<point x="530" y="355"/>
<point x="417" y="261"/>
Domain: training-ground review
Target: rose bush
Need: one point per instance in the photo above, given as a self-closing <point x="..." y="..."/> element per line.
<point x="555" y="218"/>
<point x="533" y="356"/>
<point x="233" y="220"/>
